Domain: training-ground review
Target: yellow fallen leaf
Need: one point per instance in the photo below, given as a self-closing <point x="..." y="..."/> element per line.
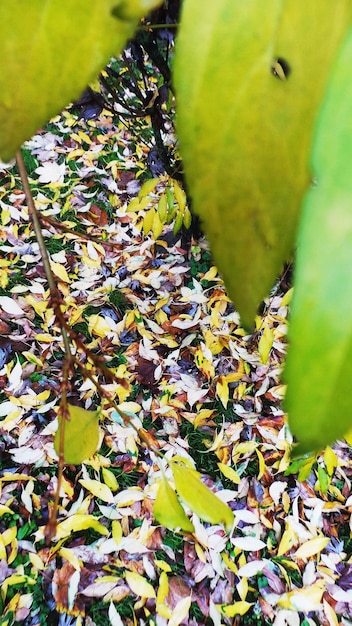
<point x="165" y="567"/>
<point x="60" y="271"/>
<point x="204" y="364"/>
<point x="98" y="326"/>
<point x="45" y="338"/>
<point x="139" y="585"/>
<point x="98" y="489"/>
<point x="245" y="446"/>
<point x="40" y="306"/>
<point x="311" y="547"/>
<point x="229" y="473"/>
<point x="116" y="531"/>
<point x="84" y="137"/>
<point x="210" y="274"/>
<point x="261" y="464"/>
<point x="3" y="555"/>
<point x="9" y="535"/>
<point x="238" y="608"/>
<point x="330" y="460"/>
<point x="163" y="589"/>
<point x="287" y="297"/>
<point x="78" y="522"/>
<point x="222" y="390"/>
<point x="70" y="556"/>
<point x="288" y="539"/>
<point x="4" y="509"/>
<point x="265" y="344"/>
<point x="305" y="600"/>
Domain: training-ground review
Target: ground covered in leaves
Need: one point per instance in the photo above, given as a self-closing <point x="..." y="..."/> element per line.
<point x="153" y="304"/>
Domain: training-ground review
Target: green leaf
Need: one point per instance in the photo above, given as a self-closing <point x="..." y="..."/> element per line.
<point x="245" y="133"/>
<point x="319" y="363"/>
<point x="168" y="511"/>
<point x="49" y="52"/>
<point x="324" y="480"/>
<point x="81" y="436"/>
<point x="297" y="464"/>
<point x="199" y="498"/>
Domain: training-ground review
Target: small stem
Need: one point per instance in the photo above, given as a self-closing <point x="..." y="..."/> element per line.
<point x="155" y="26"/>
<point x="36" y="222"/>
<point x="54" y="292"/>
<point x="86" y="236"/>
<point x="50" y="530"/>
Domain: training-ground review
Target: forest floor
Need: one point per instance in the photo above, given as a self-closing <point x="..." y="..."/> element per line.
<point x="154" y="305"/>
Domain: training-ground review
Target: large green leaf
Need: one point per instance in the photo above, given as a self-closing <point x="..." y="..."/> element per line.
<point x="49" y="51"/>
<point x="244" y="132"/>
<point x="81" y="435"/>
<point x="319" y="363"/>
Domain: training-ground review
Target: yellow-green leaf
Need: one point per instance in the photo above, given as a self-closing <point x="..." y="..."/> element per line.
<point x="245" y="133"/>
<point x="180" y="196"/>
<point x="110" y="479"/>
<point x="199" y="498"/>
<point x="45" y="64"/>
<point x="178" y="222"/>
<point x="157" y="227"/>
<point x="148" y="221"/>
<point x="319" y="364"/>
<point x="148" y="187"/>
<point x="187" y="217"/>
<point x="162" y="208"/>
<point x="81" y="436"/>
<point x="168" y="511"/>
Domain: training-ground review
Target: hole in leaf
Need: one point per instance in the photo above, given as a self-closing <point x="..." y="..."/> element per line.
<point x="280" y="68"/>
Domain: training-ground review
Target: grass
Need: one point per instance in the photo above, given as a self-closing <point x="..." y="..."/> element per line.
<point x="55" y="244"/>
<point x="119" y="300"/>
<point x="205" y="461"/>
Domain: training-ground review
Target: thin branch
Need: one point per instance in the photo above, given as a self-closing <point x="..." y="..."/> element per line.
<point x="54" y="292"/>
